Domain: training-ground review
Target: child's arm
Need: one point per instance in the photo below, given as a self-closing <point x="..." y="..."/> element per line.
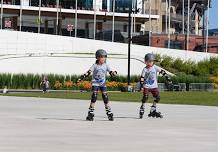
<point x="88" y="73"/>
<point x="142" y="79"/>
<point x="112" y="73"/>
<point x="82" y="77"/>
<point x="166" y="76"/>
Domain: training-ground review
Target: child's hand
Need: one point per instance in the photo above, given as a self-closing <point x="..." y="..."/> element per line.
<point x="79" y="80"/>
<point x="113" y="73"/>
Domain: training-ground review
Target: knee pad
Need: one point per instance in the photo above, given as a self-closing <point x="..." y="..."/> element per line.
<point x="145" y="98"/>
<point x="105" y="98"/>
<point x="157" y="99"/>
<point x="94" y="97"/>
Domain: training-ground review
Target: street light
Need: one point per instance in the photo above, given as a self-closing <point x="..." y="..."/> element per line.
<point x="131" y="10"/>
<point x="129" y="41"/>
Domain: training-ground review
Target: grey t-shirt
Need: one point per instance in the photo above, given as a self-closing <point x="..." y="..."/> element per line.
<point x="99" y="74"/>
<point x="150" y="76"/>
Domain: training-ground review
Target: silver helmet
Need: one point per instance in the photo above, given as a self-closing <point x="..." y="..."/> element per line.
<point x="100" y="53"/>
<point x="149" y="57"/>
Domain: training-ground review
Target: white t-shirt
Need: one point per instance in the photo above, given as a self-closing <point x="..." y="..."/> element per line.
<point x="99" y="74"/>
<point x="150" y="77"/>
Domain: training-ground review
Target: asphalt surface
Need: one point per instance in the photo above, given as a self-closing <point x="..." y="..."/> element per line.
<point x="56" y="125"/>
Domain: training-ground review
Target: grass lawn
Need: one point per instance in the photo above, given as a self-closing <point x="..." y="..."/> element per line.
<point x="192" y="98"/>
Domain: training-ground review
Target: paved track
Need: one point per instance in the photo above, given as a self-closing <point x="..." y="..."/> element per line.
<point x="55" y="125"/>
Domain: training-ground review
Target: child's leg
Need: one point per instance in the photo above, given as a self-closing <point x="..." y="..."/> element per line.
<point x="94" y="96"/>
<point x="106" y="103"/>
<point x="156" y="95"/>
<point x="153" y="112"/>
<point x="92" y="104"/>
<point x="144" y="100"/>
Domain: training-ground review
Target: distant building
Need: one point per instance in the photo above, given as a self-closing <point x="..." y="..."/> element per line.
<point x="213" y="32"/>
<point x="159" y="25"/>
<point x="56" y="16"/>
<point x="106" y="19"/>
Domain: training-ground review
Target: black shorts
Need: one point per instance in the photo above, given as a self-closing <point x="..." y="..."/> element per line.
<point x="97" y="88"/>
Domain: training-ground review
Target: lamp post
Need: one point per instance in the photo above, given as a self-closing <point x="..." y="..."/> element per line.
<point x="130" y="39"/>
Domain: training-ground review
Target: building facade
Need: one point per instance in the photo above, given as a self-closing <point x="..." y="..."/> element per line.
<point x="105" y="19"/>
<point x="88" y="18"/>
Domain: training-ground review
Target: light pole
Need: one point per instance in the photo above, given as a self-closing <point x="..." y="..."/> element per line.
<point x="129" y="41"/>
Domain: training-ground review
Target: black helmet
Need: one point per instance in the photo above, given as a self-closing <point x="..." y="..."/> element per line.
<point x="149" y="57"/>
<point x="100" y="53"/>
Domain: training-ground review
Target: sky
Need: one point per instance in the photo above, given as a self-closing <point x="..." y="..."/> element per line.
<point x="213" y="22"/>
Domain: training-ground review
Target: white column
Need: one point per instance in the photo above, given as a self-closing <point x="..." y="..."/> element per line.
<point x="1" y="13"/>
<point x="140" y="6"/>
<point x="207" y="24"/>
<point x="57" y="15"/>
<point x="183" y="16"/>
<point x="39" y="18"/>
<point x="94" y="20"/>
<point x="196" y="22"/>
<point x="169" y="20"/>
<point x="108" y="5"/>
<point x="21" y="13"/>
<point x="188" y="29"/>
<point x="113" y="21"/>
<point x="75" y="34"/>
<point x="134" y="21"/>
<point x="150" y="25"/>
<point x="166" y="24"/>
<point x="98" y="5"/>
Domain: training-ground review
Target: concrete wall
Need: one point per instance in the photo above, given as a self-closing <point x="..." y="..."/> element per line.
<point x="22" y="52"/>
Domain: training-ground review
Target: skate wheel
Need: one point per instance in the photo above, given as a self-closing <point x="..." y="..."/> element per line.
<point x="112" y="119"/>
<point x="89" y="119"/>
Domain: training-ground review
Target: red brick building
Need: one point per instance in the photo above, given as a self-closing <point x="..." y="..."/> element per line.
<point x="179" y="42"/>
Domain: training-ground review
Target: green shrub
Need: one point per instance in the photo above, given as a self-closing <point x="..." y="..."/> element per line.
<point x="186" y="72"/>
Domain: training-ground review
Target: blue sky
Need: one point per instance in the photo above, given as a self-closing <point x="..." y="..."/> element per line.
<point x="213" y="22"/>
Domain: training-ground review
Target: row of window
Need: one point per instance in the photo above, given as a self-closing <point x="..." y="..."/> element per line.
<point x="107" y="5"/>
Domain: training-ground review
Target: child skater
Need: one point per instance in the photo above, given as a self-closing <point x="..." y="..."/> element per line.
<point x="148" y="82"/>
<point x="99" y="71"/>
<point x="45" y="84"/>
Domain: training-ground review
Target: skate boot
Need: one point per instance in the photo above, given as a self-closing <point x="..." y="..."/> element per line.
<point x="153" y="113"/>
<point x="141" y="112"/>
<point x="110" y="115"/>
<point x="91" y="115"/>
